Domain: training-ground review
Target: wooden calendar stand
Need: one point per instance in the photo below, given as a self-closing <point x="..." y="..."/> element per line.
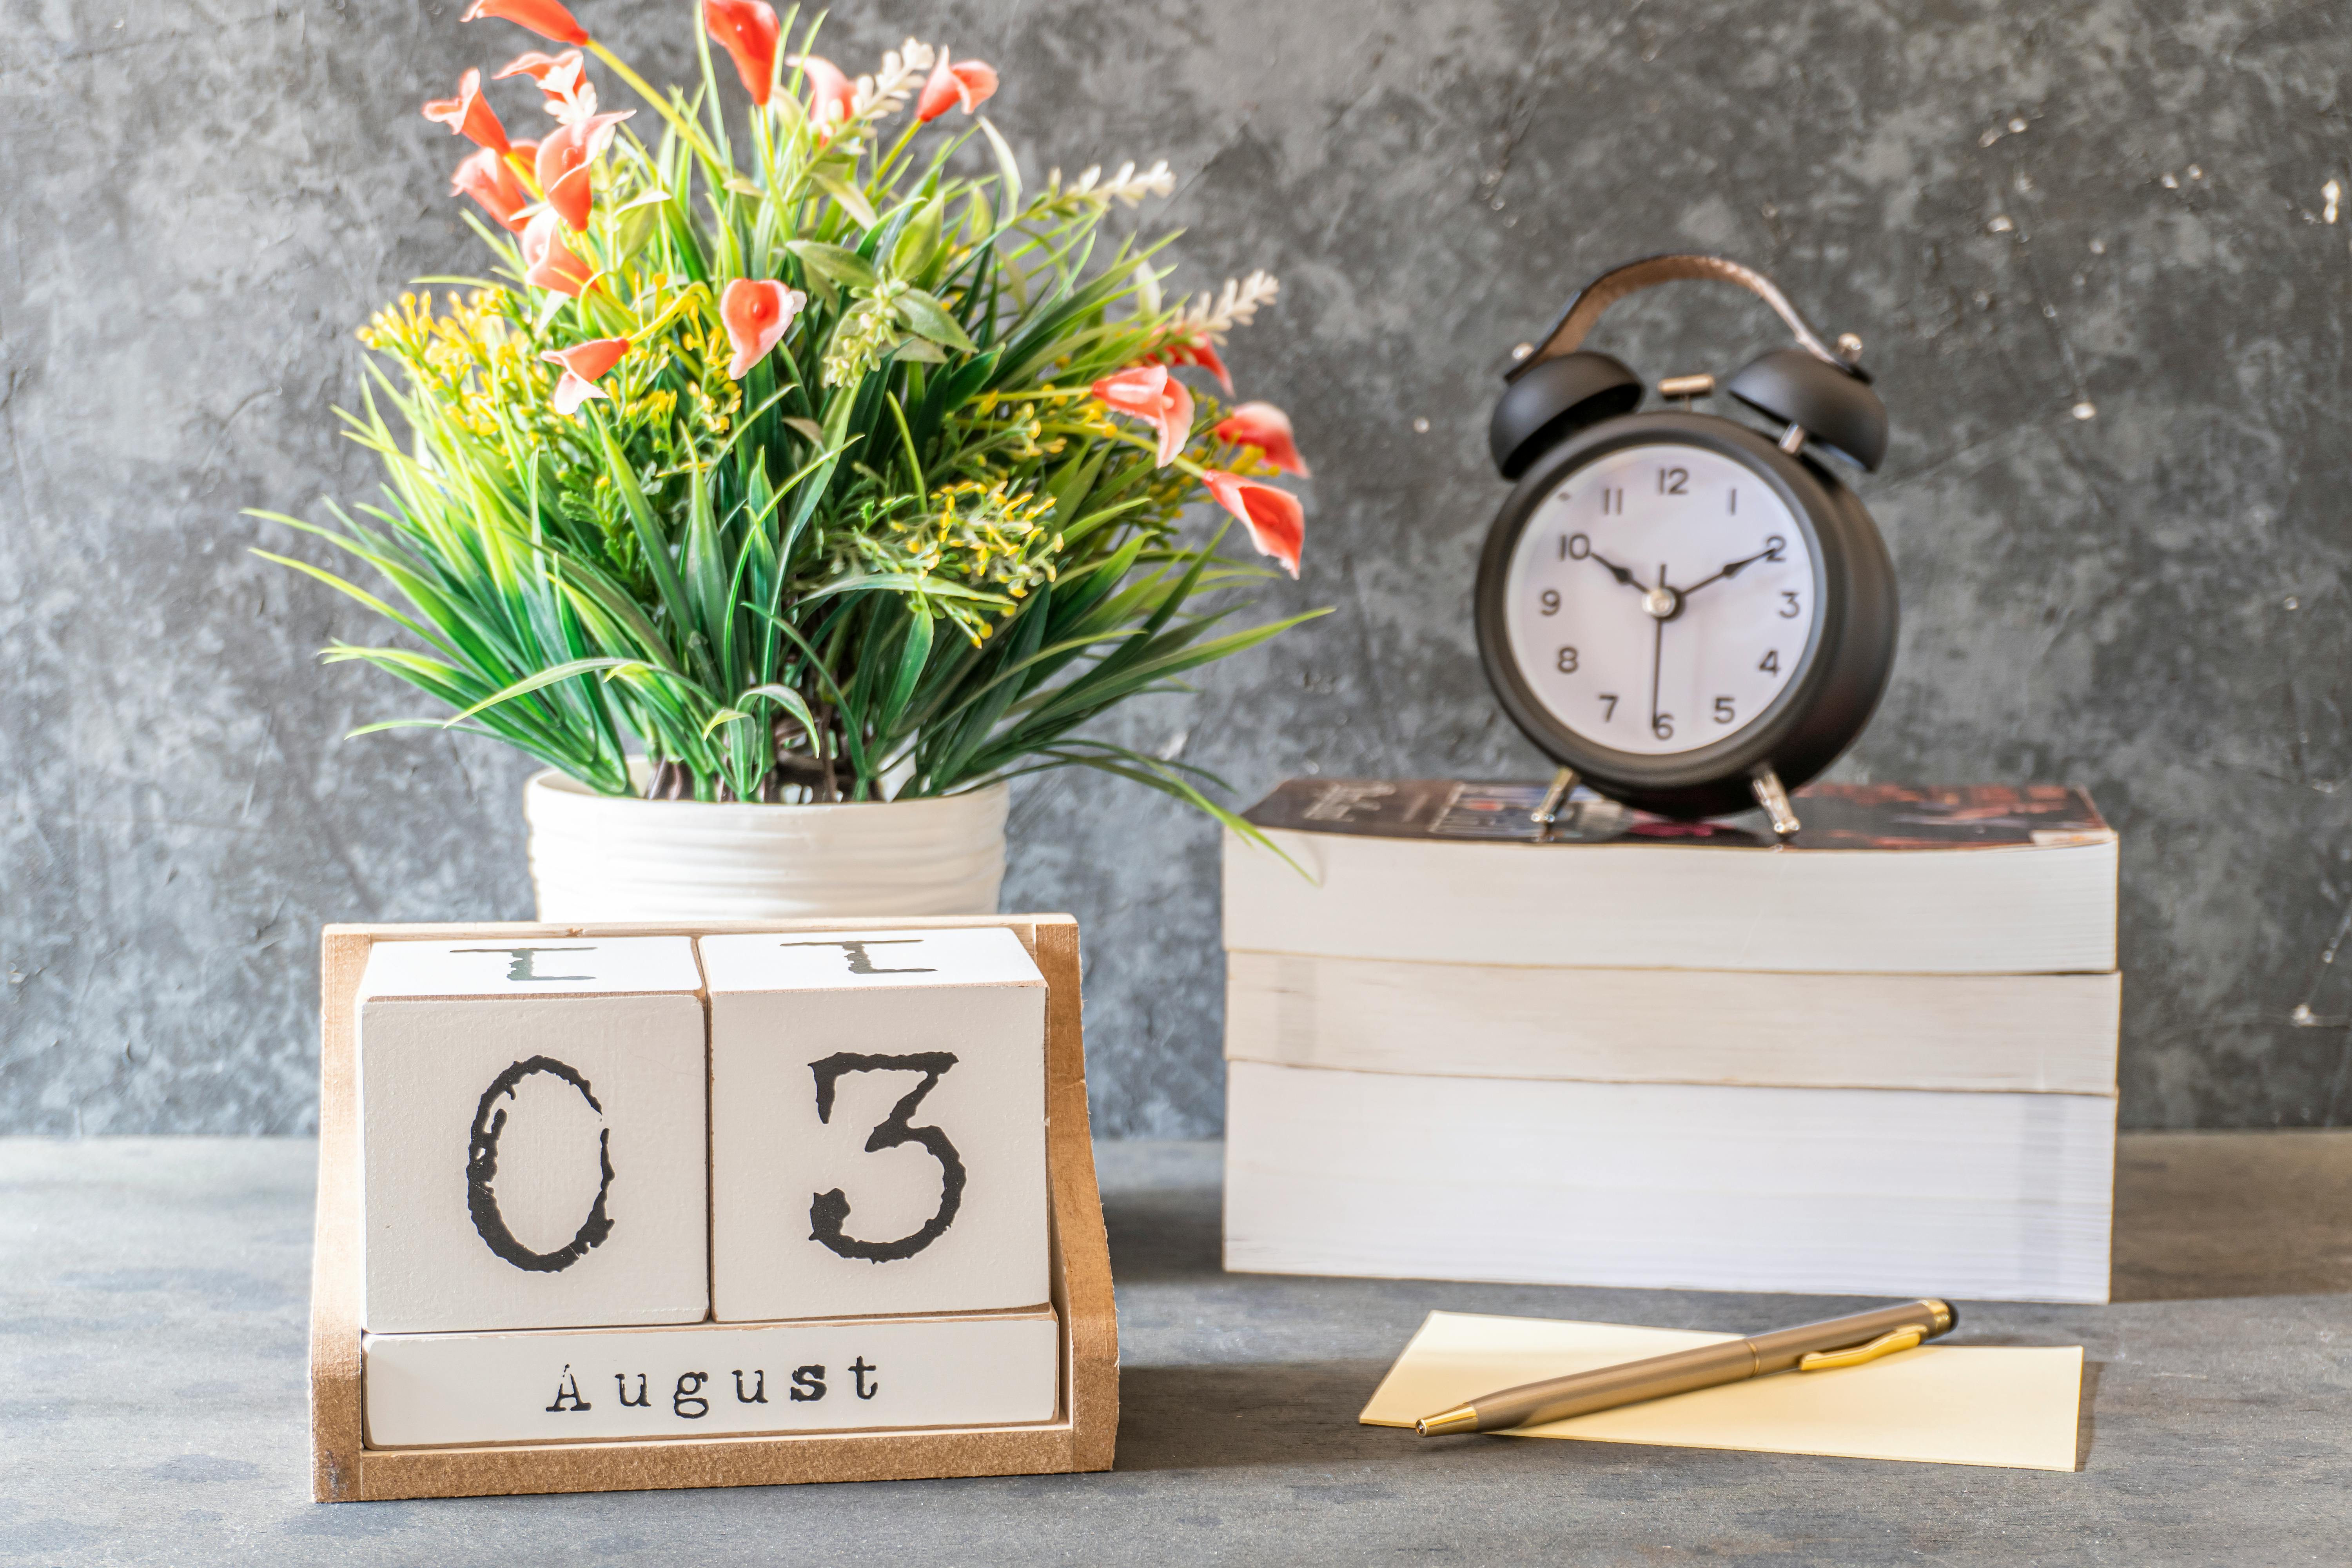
<point x="1080" y="1438"/>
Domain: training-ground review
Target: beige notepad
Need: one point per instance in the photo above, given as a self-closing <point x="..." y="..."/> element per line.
<point x="1945" y="1404"/>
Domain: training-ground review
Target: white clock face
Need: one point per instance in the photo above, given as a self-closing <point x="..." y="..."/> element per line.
<point x="1659" y="599"/>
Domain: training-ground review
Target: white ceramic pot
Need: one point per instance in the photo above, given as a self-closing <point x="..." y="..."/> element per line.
<point x="605" y="857"/>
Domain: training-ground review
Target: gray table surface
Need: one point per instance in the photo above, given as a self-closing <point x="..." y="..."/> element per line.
<point x="152" y="1311"/>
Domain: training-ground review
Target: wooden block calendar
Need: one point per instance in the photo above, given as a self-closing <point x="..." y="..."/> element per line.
<point x="542" y="1147"/>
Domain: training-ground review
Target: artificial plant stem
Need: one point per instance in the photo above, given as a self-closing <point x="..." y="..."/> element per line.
<point x="1143" y="444"/>
<point x="685" y="128"/>
<point x="882" y="165"/>
<point x="914" y="464"/>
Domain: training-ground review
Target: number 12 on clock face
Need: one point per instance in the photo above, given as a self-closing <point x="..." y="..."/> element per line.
<point x="1660" y="599"/>
<point x="877" y="1129"/>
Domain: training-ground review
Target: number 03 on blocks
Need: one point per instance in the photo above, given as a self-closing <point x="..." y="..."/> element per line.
<point x="606" y="1207"/>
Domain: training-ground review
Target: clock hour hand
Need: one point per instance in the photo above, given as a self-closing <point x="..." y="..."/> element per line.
<point x="1622" y="574"/>
<point x="1730" y="569"/>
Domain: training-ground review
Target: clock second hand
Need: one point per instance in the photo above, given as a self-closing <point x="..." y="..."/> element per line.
<point x="1657" y="653"/>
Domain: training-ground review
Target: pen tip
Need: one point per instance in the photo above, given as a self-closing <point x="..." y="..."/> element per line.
<point x="1461" y="1418"/>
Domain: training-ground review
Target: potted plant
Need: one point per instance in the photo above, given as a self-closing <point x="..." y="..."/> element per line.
<point x="810" y="450"/>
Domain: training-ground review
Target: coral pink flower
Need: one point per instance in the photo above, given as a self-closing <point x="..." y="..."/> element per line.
<point x="1267" y="428"/>
<point x="757" y="316"/>
<point x="1148" y="392"/>
<point x="826" y="85"/>
<point x="536" y="65"/>
<point x="589" y="360"/>
<point x="747" y="29"/>
<point x="1197" y="351"/>
<point x="1276" y="523"/>
<point x="491" y="180"/>
<point x="970" y="83"/>
<point x="548" y="262"/>
<point x="583" y="363"/>
<point x="468" y="114"/>
<point x="563" y="160"/>
<point x="548" y="18"/>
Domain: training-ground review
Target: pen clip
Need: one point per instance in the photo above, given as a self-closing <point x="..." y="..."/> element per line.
<point x="1901" y="1339"/>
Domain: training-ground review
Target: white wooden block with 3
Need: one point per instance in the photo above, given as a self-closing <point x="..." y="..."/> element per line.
<point x="877" y="1135"/>
<point x="533" y="1144"/>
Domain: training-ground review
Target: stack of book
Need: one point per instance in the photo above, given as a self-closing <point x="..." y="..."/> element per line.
<point x="1878" y="1058"/>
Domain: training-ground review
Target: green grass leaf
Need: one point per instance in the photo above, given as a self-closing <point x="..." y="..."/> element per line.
<point x="1008" y="173"/>
<point x="853" y="201"/>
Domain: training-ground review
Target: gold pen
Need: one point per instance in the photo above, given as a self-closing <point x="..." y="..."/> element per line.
<point x="1808" y="1347"/>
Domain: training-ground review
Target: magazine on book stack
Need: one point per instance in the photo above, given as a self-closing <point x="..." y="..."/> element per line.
<point x="1961" y="879"/>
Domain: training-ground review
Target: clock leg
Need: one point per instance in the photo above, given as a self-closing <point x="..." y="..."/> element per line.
<point x="1544" y="815"/>
<point x="1766" y="784"/>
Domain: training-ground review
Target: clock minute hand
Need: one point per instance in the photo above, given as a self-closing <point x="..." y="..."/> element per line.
<point x="1730" y="570"/>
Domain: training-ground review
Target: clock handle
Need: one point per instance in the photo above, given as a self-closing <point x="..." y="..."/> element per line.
<point x="1596" y="297"/>
<point x="1766" y="784"/>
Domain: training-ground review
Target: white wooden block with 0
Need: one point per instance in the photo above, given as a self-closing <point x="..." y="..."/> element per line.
<point x="878" y="1123"/>
<point x="532" y="1146"/>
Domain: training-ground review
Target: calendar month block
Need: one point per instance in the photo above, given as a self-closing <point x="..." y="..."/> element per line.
<point x="533" y="1149"/>
<point x="427" y="1390"/>
<point x="878" y="1122"/>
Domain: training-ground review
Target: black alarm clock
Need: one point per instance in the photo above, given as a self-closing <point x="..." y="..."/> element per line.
<point x="1691" y="615"/>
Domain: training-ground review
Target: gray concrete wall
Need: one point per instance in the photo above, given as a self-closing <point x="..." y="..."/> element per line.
<point x="203" y="197"/>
